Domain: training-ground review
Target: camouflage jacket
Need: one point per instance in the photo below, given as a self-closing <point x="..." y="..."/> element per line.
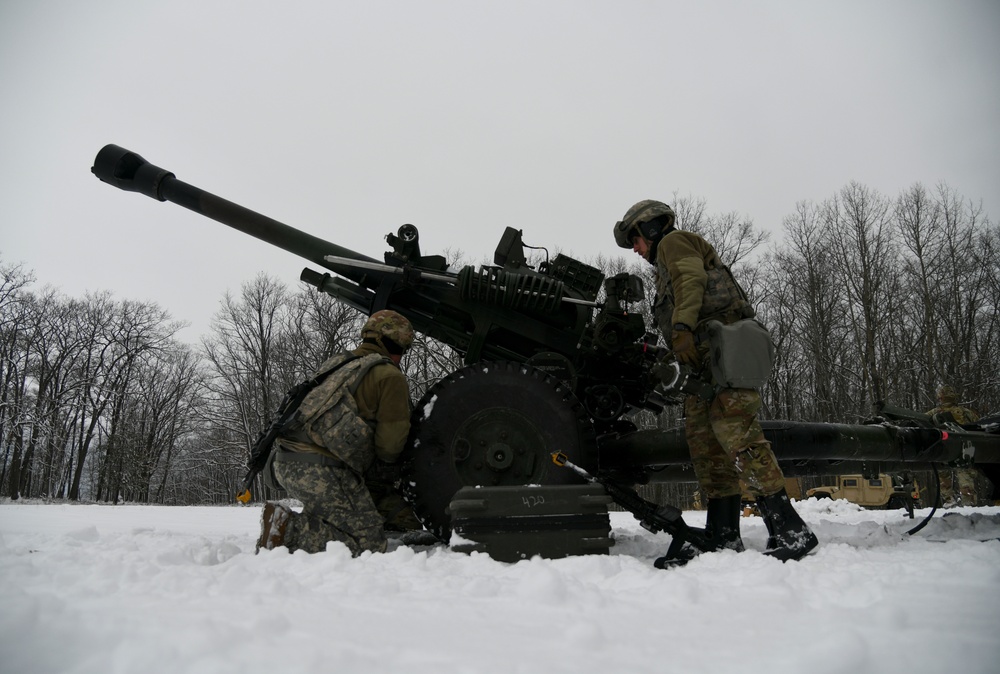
<point x="384" y="402"/>
<point x="693" y="286"/>
<point x="962" y="415"/>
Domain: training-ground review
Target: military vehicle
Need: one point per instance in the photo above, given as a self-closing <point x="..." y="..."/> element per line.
<point x="883" y="491"/>
<point x="550" y="366"/>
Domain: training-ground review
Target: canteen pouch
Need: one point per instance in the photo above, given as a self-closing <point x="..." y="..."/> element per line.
<point x="741" y="354"/>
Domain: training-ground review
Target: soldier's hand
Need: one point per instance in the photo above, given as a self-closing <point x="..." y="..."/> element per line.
<point x="682" y="344"/>
<point x="382" y="471"/>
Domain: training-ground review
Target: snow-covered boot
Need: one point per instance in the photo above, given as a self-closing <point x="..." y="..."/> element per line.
<point x="722" y="527"/>
<point x="274" y="520"/>
<point x="723" y="522"/>
<point x="788" y="536"/>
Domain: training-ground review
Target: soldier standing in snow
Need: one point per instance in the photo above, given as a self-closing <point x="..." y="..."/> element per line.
<point x="353" y="425"/>
<point x="966" y="476"/>
<point x="723" y="434"/>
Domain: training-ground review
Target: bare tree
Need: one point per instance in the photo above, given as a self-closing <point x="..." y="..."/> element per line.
<point x="965" y="280"/>
<point x="14" y="311"/>
<point x="50" y="350"/>
<point x="864" y="251"/>
<point x="690" y="212"/>
<point x="242" y="353"/>
<point x="920" y="223"/>
<point x="136" y="331"/>
<point x="315" y="327"/>
<point x="804" y="308"/>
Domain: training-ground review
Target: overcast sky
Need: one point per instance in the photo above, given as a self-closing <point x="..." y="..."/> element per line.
<point x="348" y="119"/>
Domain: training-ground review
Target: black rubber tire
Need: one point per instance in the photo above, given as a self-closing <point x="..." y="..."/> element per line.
<point x="492" y="424"/>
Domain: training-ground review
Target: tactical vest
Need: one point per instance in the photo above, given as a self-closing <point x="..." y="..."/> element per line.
<point x="723" y="301"/>
<point x="328" y="418"/>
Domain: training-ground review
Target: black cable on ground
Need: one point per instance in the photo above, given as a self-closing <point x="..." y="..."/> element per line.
<point x="937" y="502"/>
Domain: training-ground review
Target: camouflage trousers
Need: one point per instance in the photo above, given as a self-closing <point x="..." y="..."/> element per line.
<point x="727" y="445"/>
<point x="965" y="479"/>
<point x="336" y="507"/>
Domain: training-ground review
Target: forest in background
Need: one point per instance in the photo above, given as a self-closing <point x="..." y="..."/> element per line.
<point x="868" y="298"/>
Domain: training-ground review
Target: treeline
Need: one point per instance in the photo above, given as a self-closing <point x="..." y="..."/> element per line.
<point x="872" y="299"/>
<point x="869" y="298"/>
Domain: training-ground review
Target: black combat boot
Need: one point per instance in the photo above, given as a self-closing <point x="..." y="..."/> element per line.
<point x="723" y="523"/>
<point x="788" y="536"/>
<point x="722" y="527"/>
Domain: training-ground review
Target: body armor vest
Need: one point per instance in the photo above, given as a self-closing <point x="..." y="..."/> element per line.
<point x="723" y="301"/>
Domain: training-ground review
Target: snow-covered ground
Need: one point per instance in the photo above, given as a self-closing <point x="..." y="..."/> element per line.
<point x="143" y="589"/>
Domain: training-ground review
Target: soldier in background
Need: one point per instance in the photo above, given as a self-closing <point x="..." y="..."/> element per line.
<point x="350" y="428"/>
<point x="725" y="438"/>
<point x="965" y="477"/>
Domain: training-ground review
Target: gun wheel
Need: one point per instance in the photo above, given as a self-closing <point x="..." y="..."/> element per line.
<point x="489" y="424"/>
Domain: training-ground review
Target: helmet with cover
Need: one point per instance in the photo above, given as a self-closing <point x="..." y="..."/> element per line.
<point x="648" y="218"/>
<point x="389" y="329"/>
<point x="947" y="395"/>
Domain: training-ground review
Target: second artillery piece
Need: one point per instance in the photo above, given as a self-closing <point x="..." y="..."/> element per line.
<point x="549" y="368"/>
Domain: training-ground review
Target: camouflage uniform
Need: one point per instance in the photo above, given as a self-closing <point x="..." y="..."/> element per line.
<point x="723" y="434"/>
<point x="965" y="477"/>
<point x="337" y="503"/>
<point x="724" y="437"/>
<point x="336" y="507"/>
<point x="948" y="402"/>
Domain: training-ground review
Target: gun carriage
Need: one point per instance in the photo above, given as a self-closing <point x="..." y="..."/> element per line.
<point x="549" y="367"/>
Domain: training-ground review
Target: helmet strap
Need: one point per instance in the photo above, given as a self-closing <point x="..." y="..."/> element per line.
<point x="653" y="231"/>
<point x="392" y="347"/>
<point x="387" y="343"/>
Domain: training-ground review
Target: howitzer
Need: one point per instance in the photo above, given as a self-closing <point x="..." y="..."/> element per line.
<point x="549" y="365"/>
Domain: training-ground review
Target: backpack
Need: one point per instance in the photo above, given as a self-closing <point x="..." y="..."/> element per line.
<point x="334" y="385"/>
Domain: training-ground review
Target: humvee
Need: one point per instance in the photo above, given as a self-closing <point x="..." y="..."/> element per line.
<point x="881" y="492"/>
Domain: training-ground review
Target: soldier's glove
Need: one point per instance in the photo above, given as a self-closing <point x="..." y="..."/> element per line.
<point x="664" y="371"/>
<point x="682" y="344"/>
<point x="384" y="472"/>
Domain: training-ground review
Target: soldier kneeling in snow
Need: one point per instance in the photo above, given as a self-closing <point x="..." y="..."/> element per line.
<point x="352" y="426"/>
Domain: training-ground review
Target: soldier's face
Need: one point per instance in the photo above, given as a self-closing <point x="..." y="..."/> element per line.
<point x="640" y="246"/>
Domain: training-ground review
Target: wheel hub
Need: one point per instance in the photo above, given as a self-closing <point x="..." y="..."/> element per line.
<point x="496" y="446"/>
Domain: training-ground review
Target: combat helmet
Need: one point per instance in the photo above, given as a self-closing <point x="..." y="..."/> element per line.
<point x="652" y="219"/>
<point x="947" y="395"/>
<point x="389" y="329"/>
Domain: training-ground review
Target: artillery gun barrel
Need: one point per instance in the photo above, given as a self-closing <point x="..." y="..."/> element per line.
<point x="814" y="444"/>
<point x="130" y="172"/>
